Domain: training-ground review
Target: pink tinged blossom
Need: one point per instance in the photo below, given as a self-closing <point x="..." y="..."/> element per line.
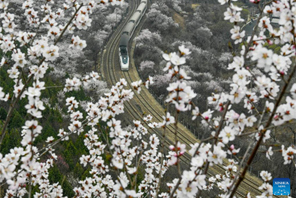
<point x="255" y="1"/>
<point x="207" y="115"/>
<point x="175" y="153"/>
<point x="172" y="158"/>
<point x="235" y="120"/>
<point x="232" y="150"/>
<point x="284" y="113"/>
<point x="171" y="147"/>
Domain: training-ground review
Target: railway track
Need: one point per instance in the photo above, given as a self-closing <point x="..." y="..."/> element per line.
<point x="145" y="103"/>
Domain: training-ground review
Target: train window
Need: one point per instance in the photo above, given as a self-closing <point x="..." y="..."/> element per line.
<point x="123" y="50"/>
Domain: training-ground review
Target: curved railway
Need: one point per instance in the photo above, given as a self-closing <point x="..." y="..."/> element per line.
<point x="145" y="103"/>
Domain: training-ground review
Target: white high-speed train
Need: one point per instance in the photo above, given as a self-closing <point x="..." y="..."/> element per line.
<point x="127" y="33"/>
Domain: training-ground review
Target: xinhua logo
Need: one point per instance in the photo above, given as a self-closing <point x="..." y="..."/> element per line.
<point x="281" y="186"/>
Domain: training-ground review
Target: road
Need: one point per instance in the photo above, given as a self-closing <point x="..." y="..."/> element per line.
<point x="145" y="102"/>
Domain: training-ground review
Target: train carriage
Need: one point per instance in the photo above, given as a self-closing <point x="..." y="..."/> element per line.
<point x="129" y="28"/>
<point x="127" y="33"/>
<point x="136" y="17"/>
<point x="142" y="7"/>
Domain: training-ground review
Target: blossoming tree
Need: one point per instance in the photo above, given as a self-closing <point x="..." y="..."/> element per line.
<point x="27" y="55"/>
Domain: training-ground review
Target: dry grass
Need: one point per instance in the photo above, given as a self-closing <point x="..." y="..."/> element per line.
<point x="194" y="5"/>
<point x="179" y="19"/>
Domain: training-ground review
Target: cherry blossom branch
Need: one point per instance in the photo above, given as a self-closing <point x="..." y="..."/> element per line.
<point x="252" y="132"/>
<point x="241" y="164"/>
<point x="263" y="131"/>
<point x="215" y="140"/>
<point x="13" y="105"/>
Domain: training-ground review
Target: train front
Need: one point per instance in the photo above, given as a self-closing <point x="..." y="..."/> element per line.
<point x="124" y="61"/>
<point x="123" y="52"/>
